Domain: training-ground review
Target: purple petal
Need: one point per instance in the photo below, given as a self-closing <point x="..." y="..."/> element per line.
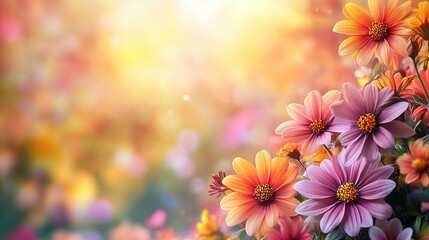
<point x="371" y="151"/>
<point x="392" y="112"/>
<point x="339" y="126"/>
<point x="355" y="171"/>
<point x="324" y="138"/>
<point x="297" y="112"/>
<point x="353" y="151"/>
<point x="394" y="227"/>
<point x="377" y="189"/>
<point x="406" y="234"/>
<point x="315" y="207"/>
<point x="349" y="137"/>
<point x="342" y="111"/>
<point x="376" y="233"/>
<point x="370" y="94"/>
<point x="332" y="218"/>
<point x="333" y="173"/>
<point x="314" y="101"/>
<point x="317" y="174"/>
<point x="352" y="222"/>
<point x="314" y="190"/>
<point x="354" y="99"/>
<point x="383" y="138"/>
<point x="379" y="209"/>
<point x="378" y="173"/>
<point x="310" y="145"/>
<point x="384" y="95"/>
<point x="399" y="129"/>
<point x="365" y="216"/>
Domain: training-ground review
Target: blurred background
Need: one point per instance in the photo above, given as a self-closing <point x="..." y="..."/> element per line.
<point x="116" y="111"/>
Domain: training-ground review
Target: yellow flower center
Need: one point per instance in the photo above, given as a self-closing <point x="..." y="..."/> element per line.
<point x="346" y="192"/>
<point x="263" y="193"/>
<point x="367" y="123"/>
<point x="318" y="126"/>
<point x="419" y="165"/>
<point x="378" y="31"/>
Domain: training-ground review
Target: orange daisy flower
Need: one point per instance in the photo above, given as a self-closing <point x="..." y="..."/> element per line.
<point x="419" y="23"/>
<point x="260" y="194"/>
<point x="415" y="165"/>
<point x="395" y="82"/>
<point x="379" y="33"/>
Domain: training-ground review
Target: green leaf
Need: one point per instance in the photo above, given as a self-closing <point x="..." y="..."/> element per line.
<point x="418" y="99"/>
<point x="335" y="235"/>
<point x="417" y="224"/>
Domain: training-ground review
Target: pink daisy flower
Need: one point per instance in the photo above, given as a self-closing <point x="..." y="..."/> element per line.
<point x="289" y="229"/>
<point x="389" y="230"/>
<point x="367" y="128"/>
<point x="311" y="123"/>
<point x="346" y="196"/>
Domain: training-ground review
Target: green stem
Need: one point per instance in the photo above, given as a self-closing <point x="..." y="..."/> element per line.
<point x="421" y="81"/>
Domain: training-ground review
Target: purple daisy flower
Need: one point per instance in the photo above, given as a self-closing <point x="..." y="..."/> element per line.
<point x="392" y="229"/>
<point x="367" y="129"/>
<point x="346" y="196"/>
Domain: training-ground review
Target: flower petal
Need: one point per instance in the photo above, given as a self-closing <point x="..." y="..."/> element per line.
<point x="238" y="215"/>
<point x="349" y="27"/>
<point x="377" y="189"/>
<point x="237" y="184"/>
<point x="254" y="222"/>
<point x="354" y="99"/>
<point x="332" y="218"/>
<point x="357" y="14"/>
<point x="383" y="138"/>
<point x="314" y="190"/>
<point x="399" y="129"/>
<point x="313" y="101"/>
<point x="365" y="216"/>
<point x="392" y="112"/>
<point x="245" y="170"/>
<point x="352" y="222"/>
<point x="376" y="233"/>
<point x="406" y="234"/>
<point x="297" y="112"/>
<point x="263" y="166"/>
<point x="379" y="209"/>
<point x="312" y="207"/>
<point x="272" y="216"/>
<point x="235" y="199"/>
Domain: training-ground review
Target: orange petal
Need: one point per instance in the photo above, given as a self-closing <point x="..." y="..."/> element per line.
<point x="245" y="170"/>
<point x="238" y="184"/>
<point x="235" y="199"/>
<point x="349" y="27"/>
<point x="377" y="9"/>
<point x="352" y="44"/>
<point x="272" y="216"/>
<point x="424" y="179"/>
<point x="399" y="44"/>
<point x="254" y="222"/>
<point x="366" y="53"/>
<point x="357" y="14"/>
<point x="240" y="214"/>
<point x="287" y="206"/>
<point x="263" y="166"/>
<point x="280" y="165"/>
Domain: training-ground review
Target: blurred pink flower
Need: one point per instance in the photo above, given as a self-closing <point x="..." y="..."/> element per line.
<point x="389" y="230"/>
<point x="157" y="219"/>
<point x="100" y="210"/>
<point x="346" y="196"/>
<point x="237" y="130"/>
<point x="424" y="207"/>
<point x="289" y="229"/>
<point x="129" y="231"/>
<point x="366" y="128"/>
<point x="10" y="29"/>
<point x="312" y="122"/>
<point x="22" y="233"/>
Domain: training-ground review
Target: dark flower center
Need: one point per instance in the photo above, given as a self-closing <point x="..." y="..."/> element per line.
<point x="263" y="193"/>
<point x="318" y="126"/>
<point x="346" y="192"/>
<point x="419" y="165"/>
<point x="378" y="31"/>
<point x="367" y="123"/>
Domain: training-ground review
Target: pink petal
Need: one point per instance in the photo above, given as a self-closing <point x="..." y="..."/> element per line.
<point x="377" y="208"/>
<point x="315" y="207"/>
<point x="412" y="177"/>
<point x="392" y="112"/>
<point x="384" y="95"/>
<point x="298" y="112"/>
<point x="314" y="190"/>
<point x="370" y="94"/>
<point x="376" y="233"/>
<point x="340" y="110"/>
<point x="353" y="151"/>
<point x="394" y="227"/>
<point x="399" y="44"/>
<point x="339" y="126"/>
<point x="157" y="219"/>
<point x="399" y="129"/>
<point x="333" y="172"/>
<point x="383" y="138"/>
<point x="332" y="218"/>
<point x="316" y="174"/>
<point x="272" y="216"/>
<point x="378" y="173"/>
<point x="313" y="102"/>
<point x="356" y="171"/>
<point x="365" y="216"/>
<point x="406" y="234"/>
<point x="377" y="189"/>
<point x="371" y="151"/>
<point x="254" y="222"/>
<point x="297" y="134"/>
<point x="352" y="222"/>
<point x="350" y="136"/>
<point x="354" y="99"/>
<point x="366" y="53"/>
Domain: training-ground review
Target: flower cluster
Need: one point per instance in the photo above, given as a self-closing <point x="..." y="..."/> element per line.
<point x="355" y="160"/>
